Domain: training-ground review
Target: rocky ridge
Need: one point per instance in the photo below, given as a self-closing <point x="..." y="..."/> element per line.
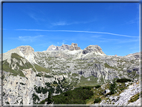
<point x="73" y="46"/>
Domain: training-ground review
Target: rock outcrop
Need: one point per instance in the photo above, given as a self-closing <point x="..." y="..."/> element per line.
<point x="123" y="98"/>
<point x="93" y="48"/>
<point x="71" y="47"/>
<point x="52" y="47"/>
<point x="74" y="46"/>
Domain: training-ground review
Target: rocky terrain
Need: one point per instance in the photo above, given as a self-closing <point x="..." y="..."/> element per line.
<point x="29" y="76"/>
<point x="124" y="97"/>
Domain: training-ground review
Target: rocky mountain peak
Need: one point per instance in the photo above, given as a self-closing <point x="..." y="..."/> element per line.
<point x="26" y="50"/>
<point x="71" y="47"/>
<point x="93" y="48"/>
<point x="74" y="46"/>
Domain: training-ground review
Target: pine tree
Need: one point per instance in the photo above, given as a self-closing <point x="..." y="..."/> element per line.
<point x="49" y="100"/>
<point x="113" y="87"/>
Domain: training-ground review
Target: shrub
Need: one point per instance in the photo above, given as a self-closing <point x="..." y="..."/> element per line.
<point x="22" y="83"/>
<point x="97" y="100"/>
<point x="48" y="76"/>
<point x="87" y="87"/>
<point x="37" y="89"/>
<point x="39" y="74"/>
<point x="76" y="96"/>
<point x="3" y="93"/>
<point x="7" y="102"/>
<point x="35" y="97"/>
<point x="55" y="82"/>
<point x="49" y="99"/>
<point x="58" y="89"/>
<point x="2" y="77"/>
<point x="97" y="86"/>
<point x="47" y="84"/>
<point x="122" y="80"/>
<point x="44" y="90"/>
<point x="135" y="97"/>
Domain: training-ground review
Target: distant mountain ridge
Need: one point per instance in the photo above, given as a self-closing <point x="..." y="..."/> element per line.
<point x="28" y="51"/>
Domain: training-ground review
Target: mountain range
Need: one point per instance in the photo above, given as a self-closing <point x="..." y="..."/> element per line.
<point x="29" y="76"/>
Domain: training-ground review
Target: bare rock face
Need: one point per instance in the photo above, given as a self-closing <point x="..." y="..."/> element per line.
<point x="63" y="47"/>
<point x="93" y="48"/>
<point x="52" y="47"/>
<point x="71" y="47"/>
<point x="74" y="46"/>
<point x="26" y="50"/>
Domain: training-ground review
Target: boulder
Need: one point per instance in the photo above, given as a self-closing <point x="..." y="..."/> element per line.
<point x="107" y="91"/>
<point x="114" y="98"/>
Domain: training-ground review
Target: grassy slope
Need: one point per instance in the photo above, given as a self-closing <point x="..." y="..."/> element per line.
<point x="39" y="68"/>
<point x="18" y="71"/>
<point x="6" y="67"/>
<point x="85" y="82"/>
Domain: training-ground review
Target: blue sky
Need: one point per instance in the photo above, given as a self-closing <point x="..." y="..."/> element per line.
<point x="112" y="26"/>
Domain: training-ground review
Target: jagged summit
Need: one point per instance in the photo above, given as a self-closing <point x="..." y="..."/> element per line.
<point x="71" y="47"/>
<point x="93" y="48"/>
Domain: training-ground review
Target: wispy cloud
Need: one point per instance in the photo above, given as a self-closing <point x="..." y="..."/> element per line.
<point x="33" y="16"/>
<point x="119" y="40"/>
<point x="59" y="23"/>
<point x="108" y="40"/>
<point x="96" y="36"/>
<point x="133" y="21"/>
<point x="29" y="38"/>
<point x="80" y="32"/>
<point x="128" y="41"/>
<point x="63" y="23"/>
